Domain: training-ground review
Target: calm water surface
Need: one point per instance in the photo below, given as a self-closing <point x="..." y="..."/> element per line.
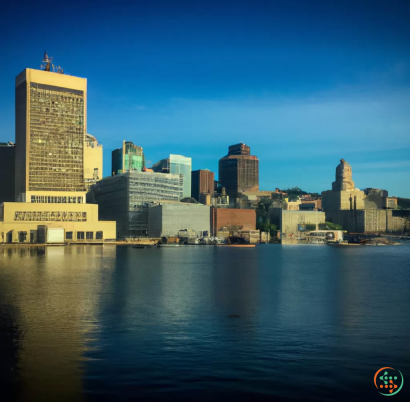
<point x="93" y="323"/>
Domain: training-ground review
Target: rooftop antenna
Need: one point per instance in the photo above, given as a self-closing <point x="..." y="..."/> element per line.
<point x="48" y="64"/>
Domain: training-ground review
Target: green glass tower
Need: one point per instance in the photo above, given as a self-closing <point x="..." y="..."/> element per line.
<point x="129" y="157"/>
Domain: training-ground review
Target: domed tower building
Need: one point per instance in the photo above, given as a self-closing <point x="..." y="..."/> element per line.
<point x="344" y="181"/>
<point x="367" y="211"/>
<point x="342" y="203"/>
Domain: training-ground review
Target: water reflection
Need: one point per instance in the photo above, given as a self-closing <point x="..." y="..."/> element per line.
<point x="119" y="322"/>
<point x="54" y="304"/>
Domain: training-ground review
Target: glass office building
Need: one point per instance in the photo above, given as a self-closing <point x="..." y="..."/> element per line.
<point x="177" y="164"/>
<point x="127" y="158"/>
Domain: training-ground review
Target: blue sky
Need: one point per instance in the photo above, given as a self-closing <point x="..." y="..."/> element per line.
<point x="304" y="83"/>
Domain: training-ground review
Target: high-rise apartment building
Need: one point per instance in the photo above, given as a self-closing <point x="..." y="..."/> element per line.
<point x="93" y="161"/>
<point x="202" y="182"/>
<point x="128" y="157"/>
<point x="51" y="122"/>
<point x="239" y="170"/>
<point x="177" y="164"/>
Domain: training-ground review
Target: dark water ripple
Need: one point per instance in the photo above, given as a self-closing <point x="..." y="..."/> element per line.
<point x="117" y="323"/>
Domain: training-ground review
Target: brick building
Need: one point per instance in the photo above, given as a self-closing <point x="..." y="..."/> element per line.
<point x="202" y="182"/>
<point x="232" y="219"/>
<point x="239" y="170"/>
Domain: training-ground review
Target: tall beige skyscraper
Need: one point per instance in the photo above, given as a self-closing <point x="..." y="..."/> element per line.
<point x="51" y="122"/>
<point x="93" y="161"/>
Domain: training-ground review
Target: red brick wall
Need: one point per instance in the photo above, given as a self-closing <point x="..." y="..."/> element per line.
<point x="232" y="217"/>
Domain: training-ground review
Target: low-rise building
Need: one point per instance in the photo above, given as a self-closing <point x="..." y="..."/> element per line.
<point x="169" y="219"/>
<point x="229" y="219"/>
<point x="310" y="205"/>
<point x="21" y="222"/>
<point x="324" y="236"/>
<point x="295" y="224"/>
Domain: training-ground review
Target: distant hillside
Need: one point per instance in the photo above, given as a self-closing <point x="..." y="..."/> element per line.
<point x="403" y="203"/>
<point x="294" y="192"/>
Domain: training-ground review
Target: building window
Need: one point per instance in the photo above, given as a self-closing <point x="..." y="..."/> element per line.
<point x="99" y="235"/>
<point x="80" y="235"/>
<point x="69" y="235"/>
<point x="22" y="237"/>
<point x="89" y="235"/>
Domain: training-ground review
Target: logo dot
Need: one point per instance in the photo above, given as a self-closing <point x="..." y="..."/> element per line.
<point x="390" y="378"/>
<point x="391" y="386"/>
<point x="381" y="386"/>
<point x="395" y="378"/>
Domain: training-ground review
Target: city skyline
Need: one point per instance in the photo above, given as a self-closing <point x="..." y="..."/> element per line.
<point x="327" y="86"/>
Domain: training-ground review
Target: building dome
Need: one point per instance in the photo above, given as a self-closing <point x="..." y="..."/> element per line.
<point x="344" y="181"/>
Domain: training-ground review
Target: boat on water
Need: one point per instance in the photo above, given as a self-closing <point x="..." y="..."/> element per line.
<point x="235" y="245"/>
<point x="169" y="245"/>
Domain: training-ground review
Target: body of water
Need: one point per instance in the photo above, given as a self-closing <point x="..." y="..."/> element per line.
<point x="273" y="323"/>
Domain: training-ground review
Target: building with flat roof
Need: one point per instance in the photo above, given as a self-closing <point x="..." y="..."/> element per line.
<point x="51" y="122"/>
<point x="20" y="222"/>
<point x="232" y="219"/>
<point x="7" y="163"/>
<point x="168" y="219"/>
<point x="177" y="164"/>
<point x="294" y="225"/>
<point x="125" y="198"/>
<point x="93" y="161"/>
<point x="202" y="182"/>
<point x="128" y="157"/>
<point x="239" y="170"/>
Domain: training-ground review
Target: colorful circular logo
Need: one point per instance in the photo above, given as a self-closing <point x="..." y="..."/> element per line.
<point x="388" y="381"/>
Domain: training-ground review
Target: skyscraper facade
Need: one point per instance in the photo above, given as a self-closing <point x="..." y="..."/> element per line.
<point x="202" y="182"/>
<point x="128" y="157"/>
<point x="51" y="121"/>
<point x="177" y="164"/>
<point x="93" y="161"/>
<point x="239" y="170"/>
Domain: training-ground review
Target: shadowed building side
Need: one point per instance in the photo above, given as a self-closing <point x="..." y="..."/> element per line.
<point x="7" y="162"/>
<point x="202" y="183"/>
